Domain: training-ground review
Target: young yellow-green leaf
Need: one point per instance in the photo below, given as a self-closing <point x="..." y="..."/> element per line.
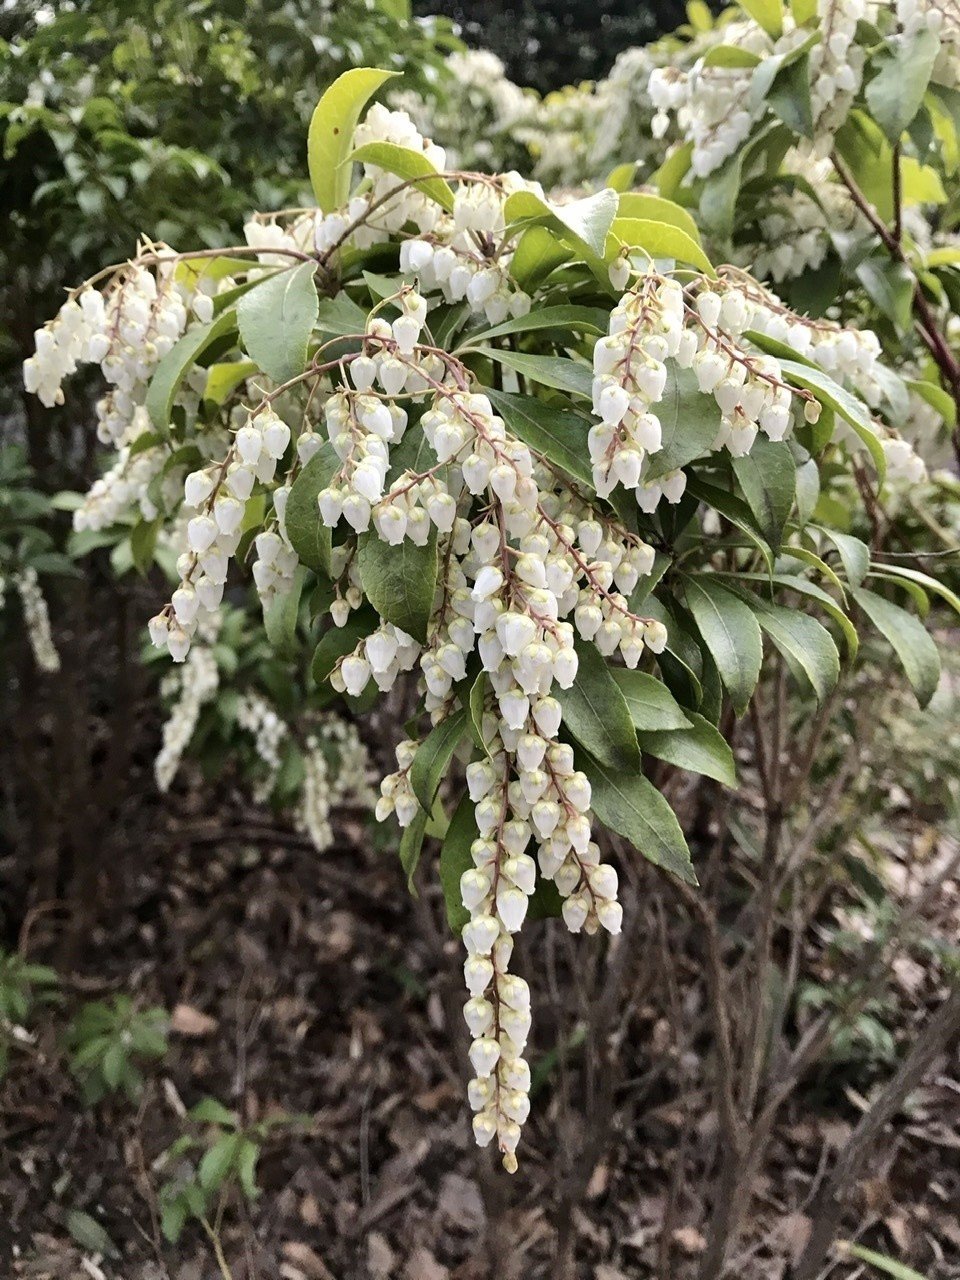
<point x="330" y="138"/>
<point x="409" y="165"/>
<point x="560" y="435"/>
<point x="433" y="756"/>
<point x="699" y="748"/>
<point x="400" y="581"/>
<point x="908" y="577"/>
<point x="210" y="1111"/>
<point x="455" y="859"/>
<point x="768" y="478"/>
<point x="276" y="319"/>
<point x="223" y="379"/>
<point x="309" y="536"/>
<point x="652" y="706"/>
<point x="178" y="362"/>
<point x="895" y="93"/>
<point x="909" y="640"/>
<point x="659" y="240"/>
<point x="630" y="804"/>
<point x="937" y="398"/>
<point x="622" y="177"/>
<point x="730" y="55"/>
<point x="595" y="712"/>
<point x="889" y="1266"/>
<point x="246" y="1162"/>
<point x="769" y="13"/>
<point x="547" y="371"/>
<point x="650" y="208"/>
<point x="689" y="423"/>
<point x="731" y="634"/>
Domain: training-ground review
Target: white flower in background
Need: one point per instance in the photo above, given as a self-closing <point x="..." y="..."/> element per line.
<point x="36" y="617"/>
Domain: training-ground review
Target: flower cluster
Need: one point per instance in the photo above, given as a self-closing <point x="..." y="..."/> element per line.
<point x="190" y="686"/>
<point x="36" y="617"/>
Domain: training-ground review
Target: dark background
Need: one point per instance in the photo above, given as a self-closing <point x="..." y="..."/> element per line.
<point x="548" y="45"/>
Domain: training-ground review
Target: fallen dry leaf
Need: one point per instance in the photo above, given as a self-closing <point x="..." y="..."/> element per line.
<point x="188" y="1021"/>
<point x="690" y="1240"/>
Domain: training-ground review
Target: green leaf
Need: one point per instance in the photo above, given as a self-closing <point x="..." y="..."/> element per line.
<point x="340" y="317"/>
<point x="400" y="581"/>
<point x="895" y="93"/>
<point x="143" y="543"/>
<point x="887" y="1265"/>
<point x="433" y="756"/>
<point x="330" y="138"/>
<point x="223" y="379"/>
<point x="854" y="554"/>
<point x="789" y="96"/>
<point x="650" y="208"/>
<point x="622" y="176"/>
<point x="558" y="372"/>
<point x="591" y="320"/>
<point x="210" y="1111"/>
<point x="630" y="804"/>
<point x="806" y="645"/>
<point x="89" y="1234"/>
<point x="891" y="286"/>
<point x="731" y="634"/>
<point x="455" y="859"/>
<point x="537" y="254"/>
<point x="768" y="478"/>
<point x="309" y="536"/>
<point x="411" y="842"/>
<point x="407" y="164"/>
<point x="731" y="508"/>
<point x="922" y="580"/>
<point x="699" y="748"/>
<point x="909" y="640"/>
<point x="811" y="591"/>
<point x="178" y="362"/>
<point x="280" y="616"/>
<point x="689" y="423"/>
<point x="247" y="1157"/>
<point x="559" y="435"/>
<point x="582" y="224"/>
<point x="841" y="401"/>
<point x="216" y="1164"/>
<point x="339" y="641"/>
<point x="769" y="14"/>
<point x="595" y="712"/>
<point x="659" y="240"/>
<point x="172" y="1219"/>
<point x="939" y="399"/>
<point x="730" y="55"/>
<point x="276" y="319"/>
<point x="652" y="706"/>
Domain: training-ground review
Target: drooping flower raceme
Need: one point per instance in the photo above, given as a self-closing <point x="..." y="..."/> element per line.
<point x="475" y="496"/>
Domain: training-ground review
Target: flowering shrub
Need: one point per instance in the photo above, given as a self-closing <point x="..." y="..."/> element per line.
<point x="541" y="463"/>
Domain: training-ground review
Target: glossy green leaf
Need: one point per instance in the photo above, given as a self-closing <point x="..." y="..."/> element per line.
<point x="178" y="362"/>
<point x="908" y="576"/>
<point x="689" y="423"/>
<point x="731" y="634"/>
<point x="218" y="1162"/>
<point x="582" y="224"/>
<point x="854" y="554"/>
<point x="651" y="208"/>
<point x="559" y="435"/>
<point x="434" y="755"/>
<point x="630" y="804"/>
<point x="909" y="640"/>
<point x="276" y="319"/>
<point x="729" y="55"/>
<point x="841" y="401"/>
<point x="806" y="645"/>
<point x="548" y="371"/>
<point x="400" y="581"/>
<point x="537" y="254"/>
<point x="698" y="748"/>
<point x="280" y="616"/>
<point x="768" y="478"/>
<point x="895" y="93"/>
<point x="591" y="320"/>
<point x="337" y="642"/>
<point x="455" y="859"/>
<point x="330" y="137"/>
<point x="652" y="706"/>
<point x="309" y="536"/>
<point x="595" y="712"/>
<point x="411" y="844"/>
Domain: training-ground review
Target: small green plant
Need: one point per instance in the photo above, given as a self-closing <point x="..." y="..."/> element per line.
<point x="108" y="1039"/>
<point x="22" y="986"/>
<point x="889" y="1266"/>
<point x="206" y="1166"/>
